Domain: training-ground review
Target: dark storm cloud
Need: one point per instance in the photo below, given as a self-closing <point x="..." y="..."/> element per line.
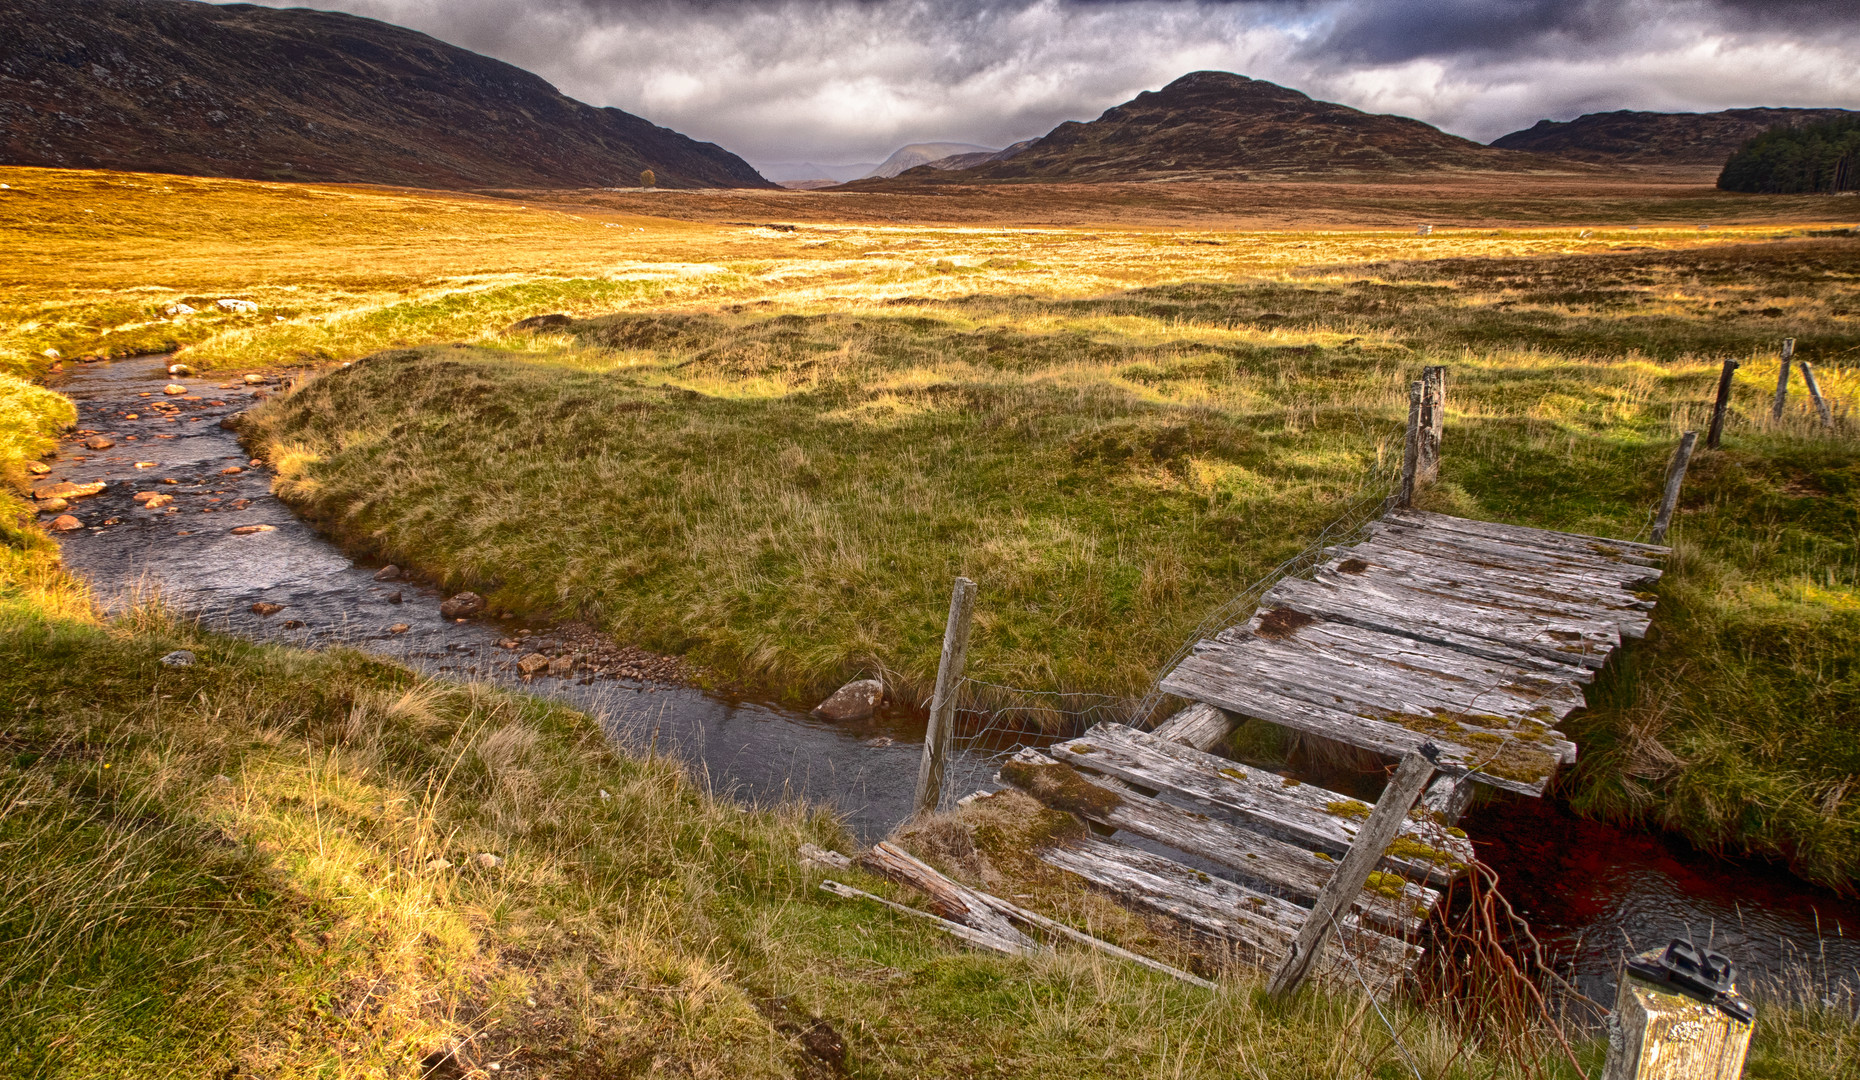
<point x="849" y="80"/>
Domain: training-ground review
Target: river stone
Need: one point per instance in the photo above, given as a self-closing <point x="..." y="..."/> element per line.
<point x="247" y="530"/>
<point x="174" y="389"/>
<point x="532" y="663"/>
<point x="52" y="506"/>
<point x="462" y="606"/>
<point x="180" y="369"/>
<point x="399" y="628"/>
<point x="38" y="468"/>
<point x="65" y="489"/>
<point x="390" y="572"/>
<point x="66" y="523"/>
<point x="178" y="658"/>
<point x="394" y="597"/>
<point x="155" y="500"/>
<point x="99" y="442"/>
<point x="562" y="666"/>
<point x="857" y="700"/>
<point x="256" y="380"/>
<point x="264" y="608"/>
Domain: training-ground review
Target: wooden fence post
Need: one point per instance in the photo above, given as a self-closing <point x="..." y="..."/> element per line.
<point x="1433" y="423"/>
<point x="1723" y="403"/>
<point x="943" y="699"/>
<point x="1658" y="1034"/>
<point x="1675" y="476"/>
<point x="1782" y="380"/>
<point x="1411" y="449"/>
<point x="1814" y="391"/>
<point x="1366" y="850"/>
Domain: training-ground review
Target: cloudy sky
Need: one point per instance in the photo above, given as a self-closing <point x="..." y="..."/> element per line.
<point x="835" y="81"/>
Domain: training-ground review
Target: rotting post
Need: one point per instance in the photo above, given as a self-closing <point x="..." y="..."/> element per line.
<point x="1722" y="405"/>
<point x="943" y="699"/>
<point x="1675" y="477"/>
<point x="1782" y="380"/>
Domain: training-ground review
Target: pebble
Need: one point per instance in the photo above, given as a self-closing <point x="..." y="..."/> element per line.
<point x="232" y="470"/>
<point x="178" y="658"/>
<point x="147" y="464"/>
<point x="247" y="530"/>
<point x="263" y="608"/>
<point x="293" y="624"/>
<point x="399" y="628"/>
<point x="99" y="442"/>
<point x="394" y="597"/>
<point x="151" y="500"/>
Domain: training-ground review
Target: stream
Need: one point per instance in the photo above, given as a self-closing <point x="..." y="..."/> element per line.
<point x="1591" y="891"/>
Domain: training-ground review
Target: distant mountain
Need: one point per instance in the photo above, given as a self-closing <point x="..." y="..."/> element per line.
<point x="980" y="157"/>
<point x="1655" y="138"/>
<point x="1218" y="125"/>
<point x="909" y="157"/>
<point x="786" y="172"/>
<point x="177" y="86"/>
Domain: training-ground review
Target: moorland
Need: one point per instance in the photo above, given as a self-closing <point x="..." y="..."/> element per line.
<point x="773" y="429"/>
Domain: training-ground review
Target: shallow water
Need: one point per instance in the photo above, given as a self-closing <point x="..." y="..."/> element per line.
<point x="1591" y="891"/>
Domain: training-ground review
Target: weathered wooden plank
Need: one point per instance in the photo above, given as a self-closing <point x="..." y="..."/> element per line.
<point x="1468" y="627"/>
<point x="1537" y="624"/>
<point x="1201" y="726"/>
<point x="1334" y="681"/>
<point x="1527" y="673"/>
<point x="1433" y="573"/>
<point x="1519" y="768"/>
<point x="1301" y="960"/>
<point x="1294" y="870"/>
<point x="1484" y="549"/>
<point x="1547" y="574"/>
<point x="1221" y="909"/>
<point x="954" y="929"/>
<point x="1299" y="813"/>
<point x="950" y="899"/>
<point x="1599" y="548"/>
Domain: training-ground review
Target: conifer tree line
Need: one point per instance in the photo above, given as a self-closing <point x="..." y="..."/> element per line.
<point x="1822" y="157"/>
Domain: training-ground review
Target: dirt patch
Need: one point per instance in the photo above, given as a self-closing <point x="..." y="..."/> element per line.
<point x="1352" y="566"/>
<point x="1281" y="623"/>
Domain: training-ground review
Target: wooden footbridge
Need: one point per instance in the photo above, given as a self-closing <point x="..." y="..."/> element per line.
<point x="1452" y="645"/>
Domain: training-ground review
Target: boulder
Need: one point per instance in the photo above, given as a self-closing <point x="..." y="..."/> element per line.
<point x="177" y="309"/>
<point x="65" y="489"/>
<point x="242" y="307"/>
<point x="540" y="322"/>
<point x="66" y="523"/>
<point x="857" y="700"/>
<point x="462" y="606"/>
<point x="38" y="468"/>
<point x="255" y="379"/>
<point x="532" y="663"/>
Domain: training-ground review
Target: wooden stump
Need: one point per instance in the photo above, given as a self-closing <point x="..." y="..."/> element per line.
<point x="1661" y="1035"/>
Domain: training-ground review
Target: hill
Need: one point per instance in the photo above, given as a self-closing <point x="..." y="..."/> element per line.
<point x="915" y="154"/>
<point x="1655" y="138"/>
<point x="1217" y="125"/>
<point x="258" y="93"/>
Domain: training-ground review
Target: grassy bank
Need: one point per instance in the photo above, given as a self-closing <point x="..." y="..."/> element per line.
<point x="278" y="863"/>
<point x="786" y="496"/>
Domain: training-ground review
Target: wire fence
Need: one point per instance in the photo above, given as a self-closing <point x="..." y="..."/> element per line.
<point x="994" y="721"/>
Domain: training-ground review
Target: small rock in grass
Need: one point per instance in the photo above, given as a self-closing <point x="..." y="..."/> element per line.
<point x="66" y="523"/>
<point x="532" y="663"/>
<point x="178" y="658"/>
<point x="222" y="778"/>
<point x="462" y="606"/>
<point x="263" y="607"/>
<point x="390" y="572"/>
<point x="399" y="628"/>
<point x="857" y="700"/>
<point x="604" y="794"/>
<point x="99" y="442"/>
<point x="243" y="307"/>
<point x="439" y="864"/>
<point x="174" y="389"/>
<point x="487" y="860"/>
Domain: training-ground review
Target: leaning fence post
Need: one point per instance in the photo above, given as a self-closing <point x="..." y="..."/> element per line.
<point x="1366" y="850"/>
<point x="1433" y="423"/>
<point x="1723" y="403"/>
<point x="1411" y="450"/>
<point x="1814" y="391"/>
<point x="1675" y="476"/>
<point x="943" y="698"/>
<point x="1678" y="1019"/>
<point x="1782" y="380"/>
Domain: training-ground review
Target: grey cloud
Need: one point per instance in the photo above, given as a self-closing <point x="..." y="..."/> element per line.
<point x="850" y="80"/>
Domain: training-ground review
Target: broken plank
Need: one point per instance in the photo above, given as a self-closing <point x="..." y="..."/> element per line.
<point x="954" y="929"/>
<point x="1523" y="769"/>
<point x="950" y="899"/>
<point x="1294" y="870"/>
<point x="1298" y="812"/>
<point x="1201" y="726"/>
<point x="1261" y="925"/>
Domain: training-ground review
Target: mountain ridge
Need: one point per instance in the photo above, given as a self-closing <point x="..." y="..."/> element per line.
<point x="295" y="94"/>
<point x="1627" y="136"/>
